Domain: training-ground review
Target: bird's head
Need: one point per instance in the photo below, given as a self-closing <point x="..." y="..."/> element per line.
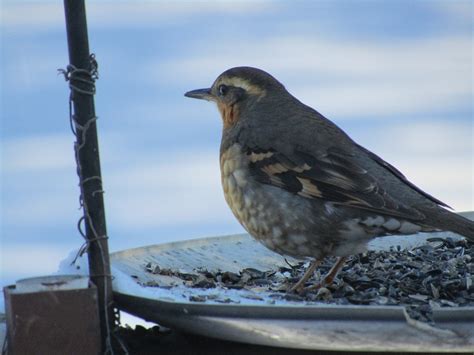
<point x="237" y="90"/>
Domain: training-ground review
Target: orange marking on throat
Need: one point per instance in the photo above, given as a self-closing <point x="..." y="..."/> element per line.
<point x="229" y="114"/>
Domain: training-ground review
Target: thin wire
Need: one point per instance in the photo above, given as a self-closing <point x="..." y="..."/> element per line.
<point x="73" y="76"/>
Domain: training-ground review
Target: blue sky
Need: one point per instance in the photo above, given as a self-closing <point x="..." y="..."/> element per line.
<point x="396" y="75"/>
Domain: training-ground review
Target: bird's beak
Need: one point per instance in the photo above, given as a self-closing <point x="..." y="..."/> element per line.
<point x="203" y="94"/>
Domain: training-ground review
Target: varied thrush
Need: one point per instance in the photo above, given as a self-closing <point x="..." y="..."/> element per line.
<point x="301" y="186"/>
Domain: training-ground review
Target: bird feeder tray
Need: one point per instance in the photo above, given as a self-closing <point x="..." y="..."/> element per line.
<point x="166" y="284"/>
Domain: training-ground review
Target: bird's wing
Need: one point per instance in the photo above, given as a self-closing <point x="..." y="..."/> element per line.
<point x="332" y="176"/>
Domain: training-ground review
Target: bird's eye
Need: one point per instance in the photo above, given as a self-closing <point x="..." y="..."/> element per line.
<point x="223" y="90"/>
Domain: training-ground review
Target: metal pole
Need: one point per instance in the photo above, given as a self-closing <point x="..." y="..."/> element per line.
<point x="81" y="74"/>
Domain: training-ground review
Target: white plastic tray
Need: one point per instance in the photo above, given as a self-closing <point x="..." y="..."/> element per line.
<point x="283" y="323"/>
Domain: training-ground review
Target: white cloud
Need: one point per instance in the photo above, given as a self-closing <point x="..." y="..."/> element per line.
<point x="38" y="153"/>
<point x="46" y="15"/>
<point x="436" y="156"/>
<point x="39" y="181"/>
<point x="42" y="207"/>
<point x="183" y="189"/>
<point x="124" y="13"/>
<point x="375" y="100"/>
<point x="29" y="260"/>
<point x="343" y="78"/>
<point x="35" y="69"/>
<point x="338" y="77"/>
<point x="451" y="180"/>
<point x="438" y="139"/>
<point x="461" y="10"/>
<point x="142" y="188"/>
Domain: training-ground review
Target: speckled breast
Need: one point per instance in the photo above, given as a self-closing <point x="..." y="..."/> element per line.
<point x="264" y="211"/>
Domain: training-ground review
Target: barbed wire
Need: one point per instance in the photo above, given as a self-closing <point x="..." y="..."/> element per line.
<point x="75" y="76"/>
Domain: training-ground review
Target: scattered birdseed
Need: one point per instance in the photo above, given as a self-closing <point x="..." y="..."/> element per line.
<point x="437" y="274"/>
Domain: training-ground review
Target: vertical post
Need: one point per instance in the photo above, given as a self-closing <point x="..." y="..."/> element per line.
<point x="81" y="81"/>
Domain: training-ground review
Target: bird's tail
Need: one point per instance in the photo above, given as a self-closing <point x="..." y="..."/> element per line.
<point x="457" y="223"/>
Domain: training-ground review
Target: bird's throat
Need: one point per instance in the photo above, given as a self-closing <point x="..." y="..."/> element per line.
<point x="229" y="114"/>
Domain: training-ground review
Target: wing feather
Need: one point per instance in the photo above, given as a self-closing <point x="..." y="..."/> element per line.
<point x="334" y="177"/>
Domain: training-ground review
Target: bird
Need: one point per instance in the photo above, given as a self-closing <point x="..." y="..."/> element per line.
<point x="301" y="186"/>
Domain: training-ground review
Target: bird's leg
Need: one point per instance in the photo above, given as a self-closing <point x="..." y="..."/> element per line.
<point x="329" y="278"/>
<point x="309" y="272"/>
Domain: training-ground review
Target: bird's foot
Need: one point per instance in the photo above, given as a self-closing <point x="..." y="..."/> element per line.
<point x="324" y="282"/>
<point x="327" y="280"/>
<point x="299" y="286"/>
